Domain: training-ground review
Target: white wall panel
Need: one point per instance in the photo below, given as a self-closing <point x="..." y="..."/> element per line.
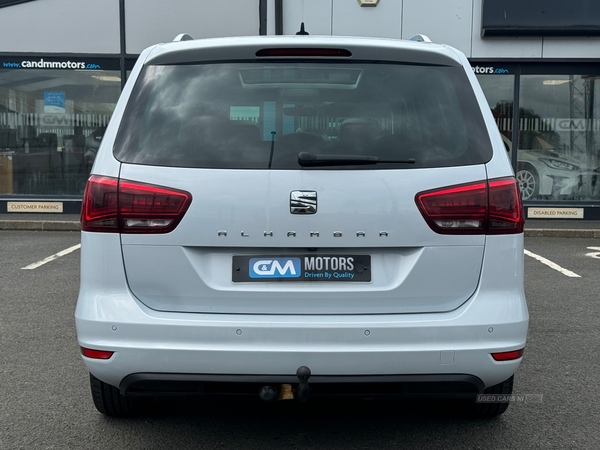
<point x="446" y="22"/>
<point x="517" y="47"/>
<point x="92" y="26"/>
<point x="581" y="47"/>
<point x="271" y="17"/>
<point x="148" y="23"/>
<point x="316" y="15"/>
<point x="384" y="20"/>
<point x="61" y="26"/>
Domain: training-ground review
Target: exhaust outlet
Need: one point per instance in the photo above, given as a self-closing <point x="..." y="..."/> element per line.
<point x="268" y="394"/>
<point x="271" y="393"/>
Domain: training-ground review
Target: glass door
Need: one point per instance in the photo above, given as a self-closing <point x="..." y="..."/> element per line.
<point x="558" y="152"/>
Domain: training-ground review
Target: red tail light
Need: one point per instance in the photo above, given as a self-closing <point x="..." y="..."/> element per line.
<point x="508" y="356"/>
<point x="111" y="205"/>
<point x="96" y="354"/>
<point x="485" y="207"/>
<point x="505" y="214"/>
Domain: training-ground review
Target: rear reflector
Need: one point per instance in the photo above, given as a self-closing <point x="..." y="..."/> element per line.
<point x="306" y="52"/>
<point x="111" y="205"/>
<point x="507" y="356"/>
<point x="96" y="354"/>
<point x="484" y="207"/>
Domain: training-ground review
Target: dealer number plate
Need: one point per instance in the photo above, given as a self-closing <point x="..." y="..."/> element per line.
<point x="302" y="268"/>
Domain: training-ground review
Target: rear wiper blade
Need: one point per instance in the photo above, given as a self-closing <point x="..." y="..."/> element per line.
<point x="306" y="159"/>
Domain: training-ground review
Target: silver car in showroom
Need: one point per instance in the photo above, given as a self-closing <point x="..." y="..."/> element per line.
<point x="543" y="173"/>
<point x="302" y="217"/>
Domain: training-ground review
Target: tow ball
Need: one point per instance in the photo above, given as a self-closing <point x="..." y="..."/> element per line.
<point x="272" y="393"/>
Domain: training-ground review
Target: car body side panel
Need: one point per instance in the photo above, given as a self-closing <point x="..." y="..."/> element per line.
<point x="499" y="166"/>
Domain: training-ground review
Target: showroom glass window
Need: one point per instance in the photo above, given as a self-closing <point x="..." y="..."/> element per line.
<point x="53" y="113"/>
<point x="558" y="156"/>
<point x="498" y="85"/>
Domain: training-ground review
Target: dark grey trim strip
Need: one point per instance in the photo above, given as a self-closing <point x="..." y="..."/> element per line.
<point x="279" y="17"/>
<point x="65" y="56"/>
<point x="262" y="17"/>
<point x="515" y="121"/>
<point x="535" y="60"/>
<point x="540" y="18"/>
<point x="123" y="46"/>
<point x="158" y="380"/>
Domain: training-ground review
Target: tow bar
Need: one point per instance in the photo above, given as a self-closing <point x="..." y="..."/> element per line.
<point x="272" y="393"/>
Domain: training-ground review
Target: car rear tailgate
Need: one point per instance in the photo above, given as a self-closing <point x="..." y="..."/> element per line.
<point x="246" y="213"/>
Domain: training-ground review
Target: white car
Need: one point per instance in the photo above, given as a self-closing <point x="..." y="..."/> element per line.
<point x="231" y="245"/>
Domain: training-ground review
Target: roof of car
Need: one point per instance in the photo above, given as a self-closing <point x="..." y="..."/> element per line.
<point x="361" y="48"/>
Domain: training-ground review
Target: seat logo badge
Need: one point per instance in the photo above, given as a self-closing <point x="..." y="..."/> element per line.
<point x="303" y="202"/>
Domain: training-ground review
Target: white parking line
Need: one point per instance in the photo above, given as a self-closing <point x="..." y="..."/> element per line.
<point x="595" y="254"/>
<point x="552" y="265"/>
<point x="35" y="265"/>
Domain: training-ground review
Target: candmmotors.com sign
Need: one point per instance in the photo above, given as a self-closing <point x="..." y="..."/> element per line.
<point x="34" y="207"/>
<point x="43" y="64"/>
<point x="489" y="70"/>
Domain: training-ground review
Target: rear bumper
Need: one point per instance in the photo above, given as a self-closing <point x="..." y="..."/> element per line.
<point x="415" y="346"/>
<point x="277" y="346"/>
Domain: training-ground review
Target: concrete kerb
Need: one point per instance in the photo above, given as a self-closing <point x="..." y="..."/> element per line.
<point x="40" y="225"/>
<point x="569" y="233"/>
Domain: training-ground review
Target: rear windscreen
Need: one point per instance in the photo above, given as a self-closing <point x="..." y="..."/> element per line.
<point x="262" y="115"/>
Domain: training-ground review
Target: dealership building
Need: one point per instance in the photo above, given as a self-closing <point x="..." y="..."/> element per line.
<point x="63" y="64"/>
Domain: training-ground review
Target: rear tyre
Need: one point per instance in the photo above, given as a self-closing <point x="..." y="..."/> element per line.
<point x="489" y="410"/>
<point x="109" y="401"/>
